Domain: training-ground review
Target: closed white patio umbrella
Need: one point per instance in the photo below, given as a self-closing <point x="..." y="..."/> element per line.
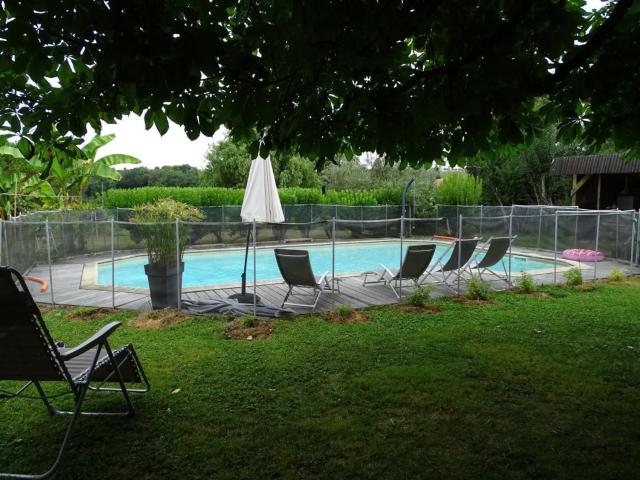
<point x="261" y="204"/>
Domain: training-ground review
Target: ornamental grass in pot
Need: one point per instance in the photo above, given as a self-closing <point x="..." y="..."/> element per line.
<point x="156" y="224"/>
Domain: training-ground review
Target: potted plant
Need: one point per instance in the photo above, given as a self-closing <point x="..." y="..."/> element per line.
<point x="157" y="226"/>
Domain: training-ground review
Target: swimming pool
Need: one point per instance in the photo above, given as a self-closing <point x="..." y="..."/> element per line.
<point x="220" y="267"/>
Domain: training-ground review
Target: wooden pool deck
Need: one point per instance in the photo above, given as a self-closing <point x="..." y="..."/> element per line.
<point x="66" y="288"/>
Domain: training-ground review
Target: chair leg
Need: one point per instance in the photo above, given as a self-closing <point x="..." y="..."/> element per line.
<point x="145" y="381"/>
<point x="393" y="289"/>
<point x="45" y="400"/>
<point x="286" y="297"/>
<point x="116" y="368"/>
<point x="315" y="303"/>
<point x="52" y="470"/>
<point x="17" y="393"/>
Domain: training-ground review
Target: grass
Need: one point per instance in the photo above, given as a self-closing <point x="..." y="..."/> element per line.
<point x="525" y="388"/>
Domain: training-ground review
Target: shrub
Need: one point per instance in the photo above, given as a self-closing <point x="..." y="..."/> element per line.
<point x="526" y="283"/>
<point x="248" y="321"/>
<point x="478" y="289"/>
<point x="573" y="276"/>
<point x="343" y="310"/>
<point x="159" y="231"/>
<point x="214" y="196"/>
<point x="420" y="296"/>
<point x="617" y="275"/>
<point x="459" y="189"/>
<point x="198" y="196"/>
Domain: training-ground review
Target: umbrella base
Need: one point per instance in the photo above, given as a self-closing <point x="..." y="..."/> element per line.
<point x="245" y="297"/>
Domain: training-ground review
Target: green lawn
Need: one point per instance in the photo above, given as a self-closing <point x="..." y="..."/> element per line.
<point x="525" y="388"/>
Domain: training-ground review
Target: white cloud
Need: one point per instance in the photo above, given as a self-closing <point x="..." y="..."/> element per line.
<point x="154" y="150"/>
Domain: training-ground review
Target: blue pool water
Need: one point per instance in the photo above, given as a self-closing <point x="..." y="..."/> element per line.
<point x="225" y="266"/>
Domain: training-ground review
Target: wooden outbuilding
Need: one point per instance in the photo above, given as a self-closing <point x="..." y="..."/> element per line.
<point x="601" y="181"/>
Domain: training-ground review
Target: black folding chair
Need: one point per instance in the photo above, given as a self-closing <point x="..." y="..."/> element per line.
<point x="415" y="263"/>
<point x="495" y="250"/>
<point x="461" y="254"/>
<point x="28" y="353"/>
<point x="295" y="268"/>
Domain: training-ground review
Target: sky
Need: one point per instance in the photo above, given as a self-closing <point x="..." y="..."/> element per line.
<point x="174" y="147"/>
<point x="154" y="150"/>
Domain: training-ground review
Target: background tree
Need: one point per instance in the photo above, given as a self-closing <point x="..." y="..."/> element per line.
<point x="228" y="164"/>
<point x="166" y="176"/>
<point x="297" y="171"/>
<point x="408" y="79"/>
<point x="523" y="177"/>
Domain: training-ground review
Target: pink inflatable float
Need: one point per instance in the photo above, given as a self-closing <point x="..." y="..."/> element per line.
<point x="583" y="255"/>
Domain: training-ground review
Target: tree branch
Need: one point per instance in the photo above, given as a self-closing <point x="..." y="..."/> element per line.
<point x="583" y="53"/>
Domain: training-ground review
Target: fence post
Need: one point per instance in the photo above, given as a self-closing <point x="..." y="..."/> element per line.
<point x="2" y="231"/>
<point x="178" y="272"/>
<point x="386" y="220"/>
<point x="255" y="293"/>
<point x="361" y="220"/>
<point x="618" y="235"/>
<point x="333" y="253"/>
<point x="481" y="219"/>
<point x="46" y="228"/>
<point x="510" y="243"/>
<point x="595" y="264"/>
<point x="222" y="213"/>
<point x="113" y="266"/>
<point x="401" y="239"/>
<point x="634" y="248"/>
<point x="539" y="227"/>
<point x="459" y="251"/>
<point x="555" y="247"/>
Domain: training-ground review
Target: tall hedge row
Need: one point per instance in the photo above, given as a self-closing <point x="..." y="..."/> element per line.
<point x="213" y="196"/>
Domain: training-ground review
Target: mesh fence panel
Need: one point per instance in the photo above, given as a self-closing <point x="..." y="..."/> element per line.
<point x="84" y="237"/>
<point x="485" y="227"/>
<point x="616" y="235"/>
<point x="23" y="245"/>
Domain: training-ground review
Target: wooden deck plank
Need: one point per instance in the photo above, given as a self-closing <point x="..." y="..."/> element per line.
<point x="66" y="277"/>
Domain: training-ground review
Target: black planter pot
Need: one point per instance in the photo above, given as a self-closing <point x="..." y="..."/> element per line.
<point x="163" y="284"/>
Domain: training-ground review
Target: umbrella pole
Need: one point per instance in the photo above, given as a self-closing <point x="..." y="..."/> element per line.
<point x="243" y="296"/>
<point x="246" y="256"/>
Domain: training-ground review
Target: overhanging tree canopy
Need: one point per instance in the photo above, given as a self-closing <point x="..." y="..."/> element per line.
<point x="409" y="79"/>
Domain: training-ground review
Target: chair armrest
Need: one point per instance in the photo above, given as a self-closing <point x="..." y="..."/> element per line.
<point x="323" y="277"/>
<point x="96" y="339"/>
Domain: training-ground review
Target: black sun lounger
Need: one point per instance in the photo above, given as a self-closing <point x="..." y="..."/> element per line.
<point x="495" y="250"/>
<point x="29" y="354"/>
<point x="461" y="254"/>
<point x="295" y="268"/>
<point x="415" y="264"/>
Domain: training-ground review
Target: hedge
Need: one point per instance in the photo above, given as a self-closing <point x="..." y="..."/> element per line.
<point x="213" y="196"/>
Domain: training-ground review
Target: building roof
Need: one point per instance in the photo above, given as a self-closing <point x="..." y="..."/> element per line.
<point x="590" y="164"/>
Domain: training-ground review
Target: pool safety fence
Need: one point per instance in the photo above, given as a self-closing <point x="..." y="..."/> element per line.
<point x="54" y="244"/>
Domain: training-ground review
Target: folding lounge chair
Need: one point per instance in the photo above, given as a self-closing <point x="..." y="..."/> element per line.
<point x="29" y="354"/>
<point x="415" y="263"/>
<point x="496" y="249"/>
<point x="295" y="268"/>
<point x="461" y="254"/>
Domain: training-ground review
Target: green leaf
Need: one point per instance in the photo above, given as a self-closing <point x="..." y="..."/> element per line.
<point x="162" y="124"/>
<point x="117" y="159"/>
<point x="11" y="151"/>
<point x="148" y="119"/>
<point x="104" y="171"/>
<point x="98" y="141"/>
